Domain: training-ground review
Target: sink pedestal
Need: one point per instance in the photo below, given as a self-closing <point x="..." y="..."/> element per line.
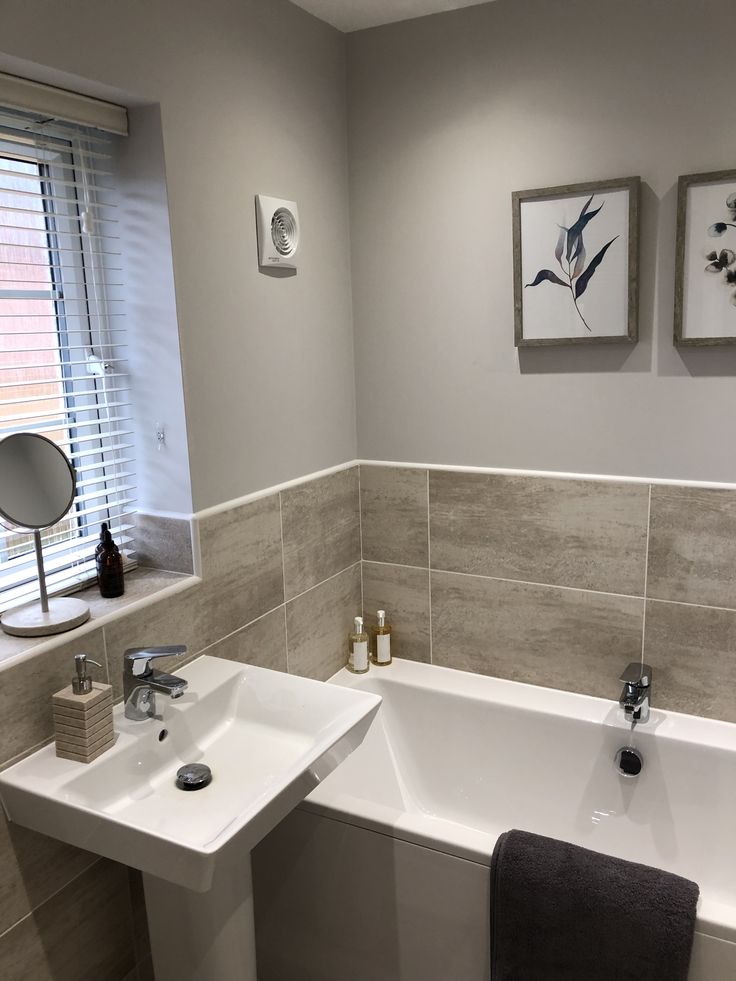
<point x="204" y="936"/>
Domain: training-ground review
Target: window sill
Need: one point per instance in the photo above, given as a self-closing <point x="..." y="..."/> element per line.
<point x="142" y="587"/>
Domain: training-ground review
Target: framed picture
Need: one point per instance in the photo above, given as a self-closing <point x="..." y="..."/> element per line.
<point x="705" y="262"/>
<point x="576" y="262"/>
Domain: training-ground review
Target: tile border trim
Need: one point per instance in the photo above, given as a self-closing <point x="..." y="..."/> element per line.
<point x="554" y="474"/>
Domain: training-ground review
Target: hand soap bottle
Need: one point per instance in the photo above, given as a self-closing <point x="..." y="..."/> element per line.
<point x="83" y="716"/>
<point x="109" y="561"/>
<point x="381" y="654"/>
<point x="358" y="648"/>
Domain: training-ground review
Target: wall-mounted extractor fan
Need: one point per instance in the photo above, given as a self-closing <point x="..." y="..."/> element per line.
<point x="278" y="231"/>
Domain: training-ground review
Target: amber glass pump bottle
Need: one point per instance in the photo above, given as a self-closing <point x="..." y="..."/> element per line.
<point x="109" y="565"/>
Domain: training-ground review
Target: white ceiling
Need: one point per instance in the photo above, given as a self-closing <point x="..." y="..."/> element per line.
<point x="354" y="15"/>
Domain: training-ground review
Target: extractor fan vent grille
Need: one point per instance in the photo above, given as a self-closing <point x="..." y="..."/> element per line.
<point x="278" y="232"/>
<point x="284" y="232"/>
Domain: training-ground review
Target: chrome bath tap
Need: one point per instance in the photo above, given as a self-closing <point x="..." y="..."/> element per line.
<point x="634" y="699"/>
<point x="141" y="683"/>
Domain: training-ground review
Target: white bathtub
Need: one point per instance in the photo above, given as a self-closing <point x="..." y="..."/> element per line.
<point x="382" y="873"/>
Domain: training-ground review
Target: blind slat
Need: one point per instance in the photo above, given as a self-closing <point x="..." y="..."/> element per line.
<point x="4" y="386"/>
<point x="54" y="174"/>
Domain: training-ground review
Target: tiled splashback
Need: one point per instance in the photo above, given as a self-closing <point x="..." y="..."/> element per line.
<point x="557" y="582"/>
<point x="544" y="580"/>
<point x="280" y="585"/>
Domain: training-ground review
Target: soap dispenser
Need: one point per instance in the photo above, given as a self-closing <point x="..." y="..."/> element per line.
<point x="83" y="715"/>
<point x="358" y="648"/>
<point x="109" y="563"/>
<point x="381" y="640"/>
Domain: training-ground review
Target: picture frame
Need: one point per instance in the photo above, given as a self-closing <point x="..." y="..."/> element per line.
<point x="602" y="254"/>
<point x="705" y="260"/>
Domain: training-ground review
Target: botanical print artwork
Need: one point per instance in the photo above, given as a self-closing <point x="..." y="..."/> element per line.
<point x="724" y="261"/>
<point x="705" y="279"/>
<point x="576" y="274"/>
<point x="576" y="263"/>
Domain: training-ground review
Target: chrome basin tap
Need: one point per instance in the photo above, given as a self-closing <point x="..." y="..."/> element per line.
<point x="634" y="699"/>
<point x="141" y="683"/>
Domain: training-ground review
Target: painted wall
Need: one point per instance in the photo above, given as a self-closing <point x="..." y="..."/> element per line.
<point x="252" y="100"/>
<point x="449" y="115"/>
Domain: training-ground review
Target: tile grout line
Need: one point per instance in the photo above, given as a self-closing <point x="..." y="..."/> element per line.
<point x="237" y="630"/>
<point x="318" y="584"/>
<point x="283" y="579"/>
<point x="550" y="585"/>
<point x="360" y="526"/>
<point x="34" y="909"/>
<point x="429" y="575"/>
<point x="646" y="574"/>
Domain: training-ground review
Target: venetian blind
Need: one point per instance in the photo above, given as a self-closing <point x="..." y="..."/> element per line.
<point x="62" y="336"/>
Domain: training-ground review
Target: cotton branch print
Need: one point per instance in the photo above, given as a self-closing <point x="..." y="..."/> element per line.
<point x="571" y="255"/>
<point x="725" y="260"/>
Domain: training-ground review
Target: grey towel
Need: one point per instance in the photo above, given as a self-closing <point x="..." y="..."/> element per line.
<point x="563" y="913"/>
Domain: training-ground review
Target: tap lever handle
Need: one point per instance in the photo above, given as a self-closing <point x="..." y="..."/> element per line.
<point x="637" y="674"/>
<point x="139" y="658"/>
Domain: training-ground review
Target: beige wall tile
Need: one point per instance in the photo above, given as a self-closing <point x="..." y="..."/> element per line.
<point x="692" y="651"/>
<point x="393" y="502"/>
<point x="318" y="624"/>
<point x="321" y="527"/>
<point x="83" y="933"/>
<point x="164" y="543"/>
<point x="26" y="689"/>
<point x="692" y="546"/>
<point x="262" y="643"/>
<point x="404" y="594"/>
<point x="541" y="635"/>
<point x="32" y="868"/>
<point x="586" y="534"/>
<point x="241" y="564"/>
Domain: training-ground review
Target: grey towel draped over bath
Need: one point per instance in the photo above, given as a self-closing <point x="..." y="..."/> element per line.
<point x="564" y="913"/>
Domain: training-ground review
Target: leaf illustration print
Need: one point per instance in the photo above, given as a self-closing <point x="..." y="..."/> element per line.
<point x="570" y="255"/>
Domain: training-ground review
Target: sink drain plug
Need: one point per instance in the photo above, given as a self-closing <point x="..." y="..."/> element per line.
<point x="193" y="776"/>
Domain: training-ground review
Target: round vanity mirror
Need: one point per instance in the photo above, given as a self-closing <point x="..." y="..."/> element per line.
<point x="37" y="481"/>
<point x="37" y="486"/>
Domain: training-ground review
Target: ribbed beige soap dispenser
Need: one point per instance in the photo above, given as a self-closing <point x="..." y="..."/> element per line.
<point x="83" y="716"/>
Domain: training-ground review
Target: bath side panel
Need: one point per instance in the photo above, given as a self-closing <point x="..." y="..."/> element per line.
<point x="334" y="901"/>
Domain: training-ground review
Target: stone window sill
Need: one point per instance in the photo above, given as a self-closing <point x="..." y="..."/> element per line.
<point x="142" y="587"/>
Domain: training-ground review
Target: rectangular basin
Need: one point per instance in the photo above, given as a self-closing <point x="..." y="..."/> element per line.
<point x="269" y="738"/>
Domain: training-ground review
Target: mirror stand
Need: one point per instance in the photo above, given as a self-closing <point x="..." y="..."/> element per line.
<point x="50" y="616"/>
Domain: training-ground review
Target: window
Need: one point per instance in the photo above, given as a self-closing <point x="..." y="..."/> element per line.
<point x="62" y="338"/>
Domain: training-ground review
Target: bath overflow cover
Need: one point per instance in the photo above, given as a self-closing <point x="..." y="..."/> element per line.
<point x="193" y="776"/>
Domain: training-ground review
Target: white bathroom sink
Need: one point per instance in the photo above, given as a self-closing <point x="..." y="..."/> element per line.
<point x="269" y="739"/>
